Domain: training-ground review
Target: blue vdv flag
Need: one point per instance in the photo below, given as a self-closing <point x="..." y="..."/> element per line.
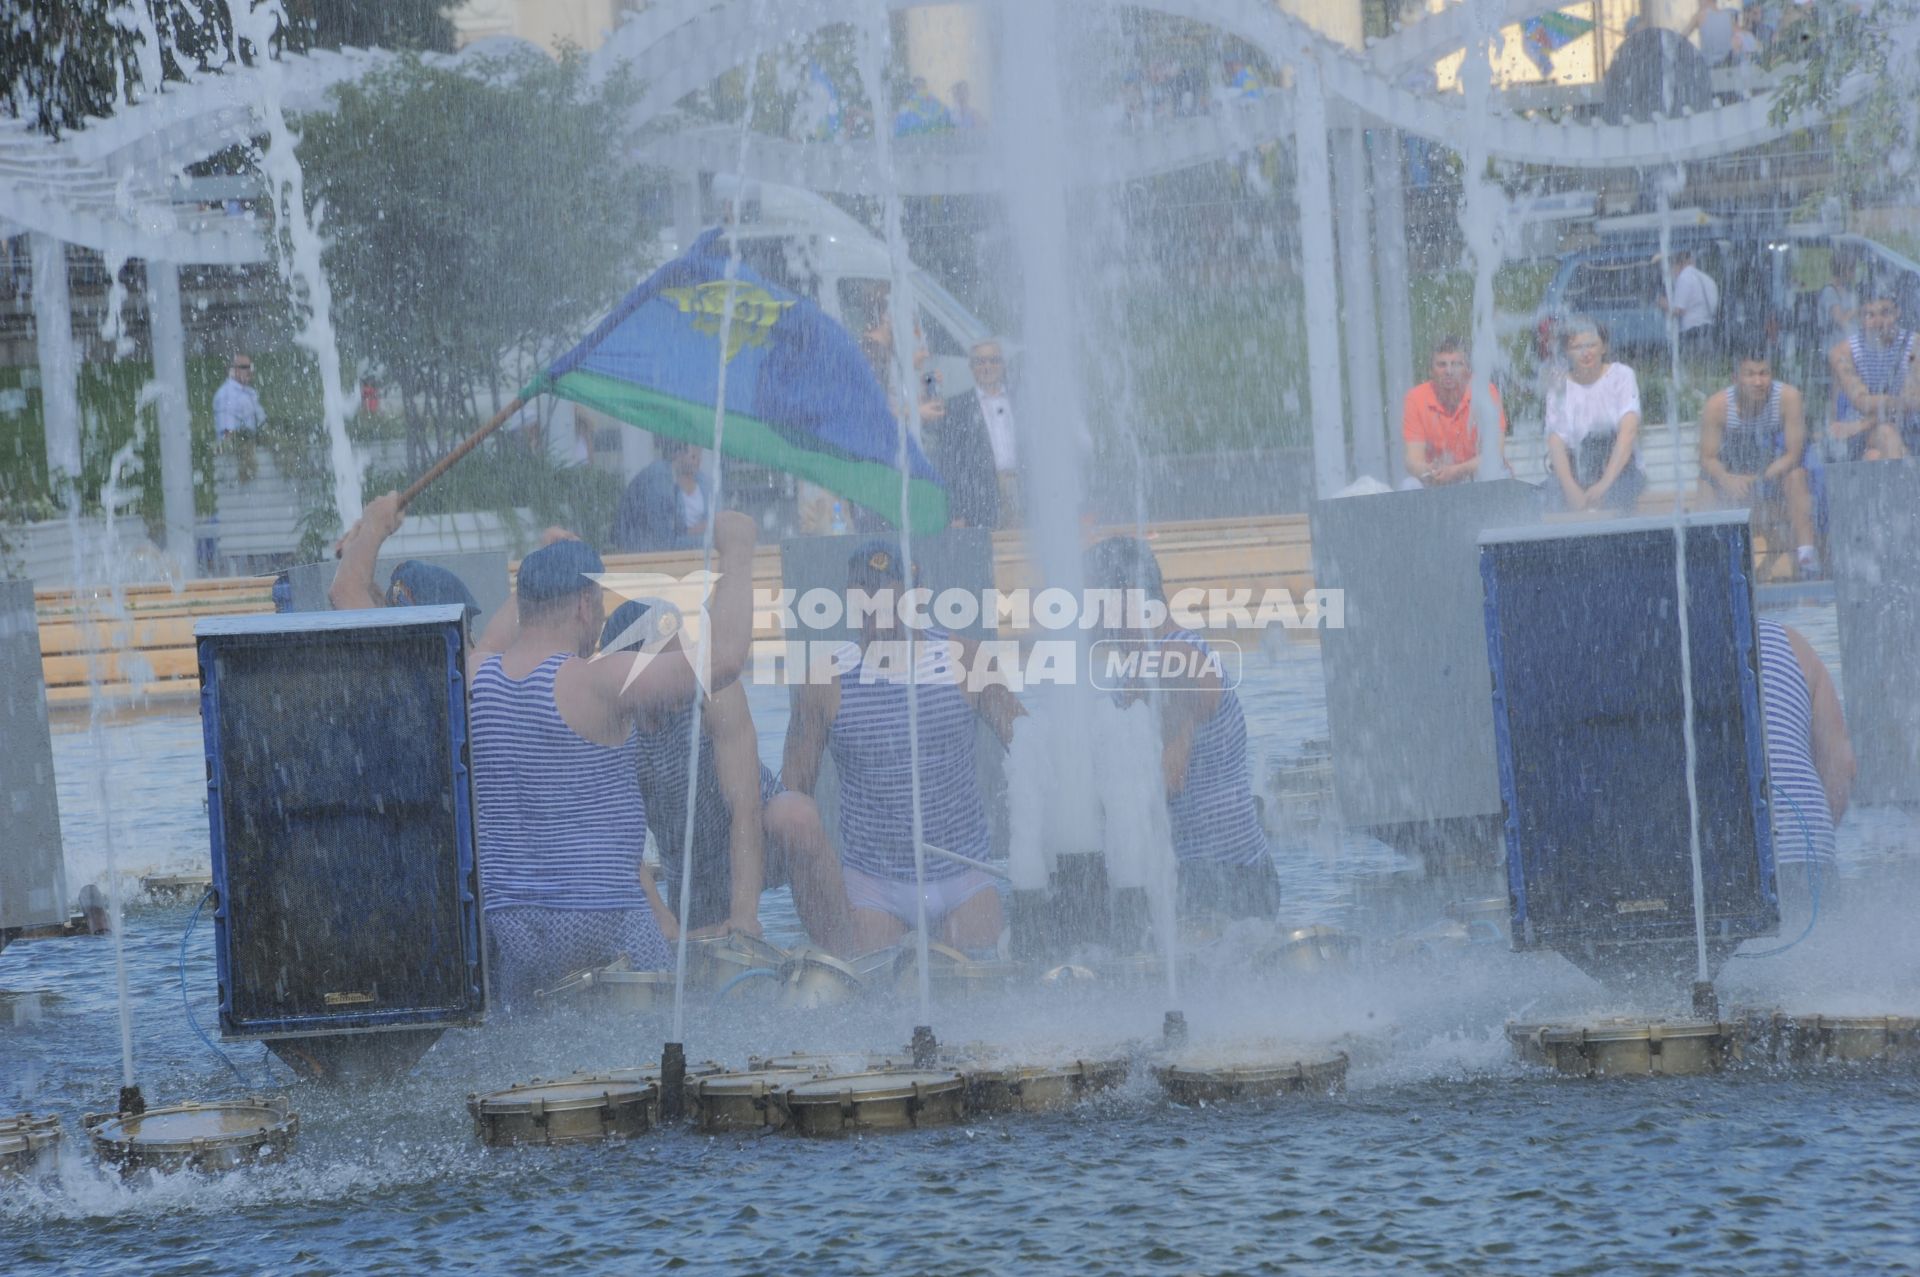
<point x="800" y="395"/>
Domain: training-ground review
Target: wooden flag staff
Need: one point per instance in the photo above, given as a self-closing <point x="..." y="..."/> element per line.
<point x="447" y="462"/>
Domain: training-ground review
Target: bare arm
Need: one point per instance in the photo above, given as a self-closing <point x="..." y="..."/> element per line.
<point x="667" y="677"/>
<point x="1832" y="750"/>
<point x="359" y="550"/>
<point x="736" y="756"/>
<point x="1184" y="705"/>
<point x="807" y="736"/>
<point x="1847" y="377"/>
<point x="1620" y="457"/>
<point x="1560" y="461"/>
<point x="1417" y="458"/>
<point x="1713" y="425"/>
<point x="994" y="702"/>
<point x="1793" y="422"/>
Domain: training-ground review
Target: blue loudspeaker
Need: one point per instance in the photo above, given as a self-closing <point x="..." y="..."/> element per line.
<point x="1583" y="637"/>
<point x="340" y="806"/>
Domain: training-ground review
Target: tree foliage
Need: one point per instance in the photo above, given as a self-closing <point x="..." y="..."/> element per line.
<point x="62" y="61"/>
<point x="476" y="221"/>
<point x="1834" y="45"/>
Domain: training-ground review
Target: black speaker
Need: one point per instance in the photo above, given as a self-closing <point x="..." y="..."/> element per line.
<point x="340" y="808"/>
<point x="1583" y="634"/>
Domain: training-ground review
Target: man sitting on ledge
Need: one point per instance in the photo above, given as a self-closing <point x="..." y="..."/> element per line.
<point x="1443" y="445"/>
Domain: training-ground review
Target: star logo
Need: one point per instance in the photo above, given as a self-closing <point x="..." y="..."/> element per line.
<point x="674" y="610"/>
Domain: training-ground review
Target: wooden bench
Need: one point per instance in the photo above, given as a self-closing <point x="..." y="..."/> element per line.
<point x="147" y="633"/>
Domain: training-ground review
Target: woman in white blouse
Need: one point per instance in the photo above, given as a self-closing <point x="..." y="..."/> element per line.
<point x="1593" y="418"/>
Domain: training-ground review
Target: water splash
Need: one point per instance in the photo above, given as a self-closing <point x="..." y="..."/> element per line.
<point x="298" y="236"/>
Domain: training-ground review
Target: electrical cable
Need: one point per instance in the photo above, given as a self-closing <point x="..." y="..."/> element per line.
<point x="751" y="974"/>
<point x="187" y="1002"/>
<point x="1813" y="881"/>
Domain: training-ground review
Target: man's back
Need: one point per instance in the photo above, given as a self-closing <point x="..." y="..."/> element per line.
<point x="561" y="819"/>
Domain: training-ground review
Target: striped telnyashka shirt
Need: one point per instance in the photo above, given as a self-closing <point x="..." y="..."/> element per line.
<point x="561" y="824"/>
<point x="870" y="748"/>
<point x="1214" y="815"/>
<point x="1799" y="800"/>
<point x="1882" y="368"/>
<point x="1750" y="444"/>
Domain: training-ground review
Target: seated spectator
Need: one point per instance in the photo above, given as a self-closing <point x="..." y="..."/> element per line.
<point x="1592" y="425"/>
<point x="1811" y="766"/>
<point x="1753" y="438"/>
<point x="1224" y="867"/>
<point x="749" y="833"/>
<point x="667" y="505"/>
<point x="860" y="715"/>
<point x="1436" y="422"/>
<point x="1876" y="412"/>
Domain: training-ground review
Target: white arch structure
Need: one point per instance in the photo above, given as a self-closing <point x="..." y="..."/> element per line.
<point x="108" y="186"/>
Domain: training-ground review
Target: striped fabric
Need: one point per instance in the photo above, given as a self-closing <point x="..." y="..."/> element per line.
<point x="1788" y="707"/>
<point x="561" y="822"/>
<point x="1750" y="444"/>
<point x="1882" y="368"/>
<point x="663" y="786"/>
<point x="1214" y="816"/>
<point x="870" y="748"/>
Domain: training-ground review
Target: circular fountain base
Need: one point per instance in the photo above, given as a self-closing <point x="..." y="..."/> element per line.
<point x="569" y="1110"/>
<point x="1220" y="1079"/>
<point x="29" y="1145"/>
<point x="1777" y="1038"/>
<point x="1629" y="1047"/>
<point x="219" y="1135"/>
<point x="895" y="1100"/>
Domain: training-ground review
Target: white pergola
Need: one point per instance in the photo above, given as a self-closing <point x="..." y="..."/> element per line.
<point x="113" y="185"/>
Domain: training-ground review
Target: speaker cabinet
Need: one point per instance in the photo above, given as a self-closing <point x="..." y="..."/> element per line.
<point x="340" y="806"/>
<point x="1583" y="636"/>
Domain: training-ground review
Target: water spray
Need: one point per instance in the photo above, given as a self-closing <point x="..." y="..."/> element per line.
<point x="901" y="312"/>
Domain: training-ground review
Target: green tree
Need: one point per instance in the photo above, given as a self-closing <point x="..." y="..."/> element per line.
<point x="62" y="61"/>
<point x="477" y="219"/>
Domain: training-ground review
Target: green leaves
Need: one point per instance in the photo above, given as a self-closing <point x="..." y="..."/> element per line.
<point x="476" y="220"/>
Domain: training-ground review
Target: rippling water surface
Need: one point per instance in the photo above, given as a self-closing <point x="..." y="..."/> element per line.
<point x="1442" y="1156"/>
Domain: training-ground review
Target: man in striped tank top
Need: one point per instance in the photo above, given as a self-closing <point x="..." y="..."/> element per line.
<point x="1225" y="867"/>
<point x="1753" y="436"/>
<point x="560" y="822"/>
<point x="1876" y="413"/>
<point x="861" y="715"/>
<point x="749" y="832"/>
<point x="1810" y="766"/>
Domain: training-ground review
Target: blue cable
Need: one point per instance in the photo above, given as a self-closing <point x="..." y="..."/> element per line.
<point x="1813" y="881"/>
<point x="750" y="974"/>
<point x="187" y="1002"/>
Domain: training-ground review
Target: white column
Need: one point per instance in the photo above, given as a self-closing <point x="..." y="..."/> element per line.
<point x="1358" y="303"/>
<point x="59" y="362"/>
<point x="1396" y="301"/>
<point x="169" y="338"/>
<point x="1313" y="192"/>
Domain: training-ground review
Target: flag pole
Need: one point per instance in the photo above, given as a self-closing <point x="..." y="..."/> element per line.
<point x="446" y="463"/>
<point x="465" y="446"/>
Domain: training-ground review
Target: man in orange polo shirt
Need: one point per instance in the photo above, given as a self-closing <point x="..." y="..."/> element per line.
<point x="1437" y="422"/>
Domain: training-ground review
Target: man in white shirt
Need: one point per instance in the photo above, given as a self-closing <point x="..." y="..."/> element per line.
<point x="1692" y="303"/>
<point x="236" y="405"/>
